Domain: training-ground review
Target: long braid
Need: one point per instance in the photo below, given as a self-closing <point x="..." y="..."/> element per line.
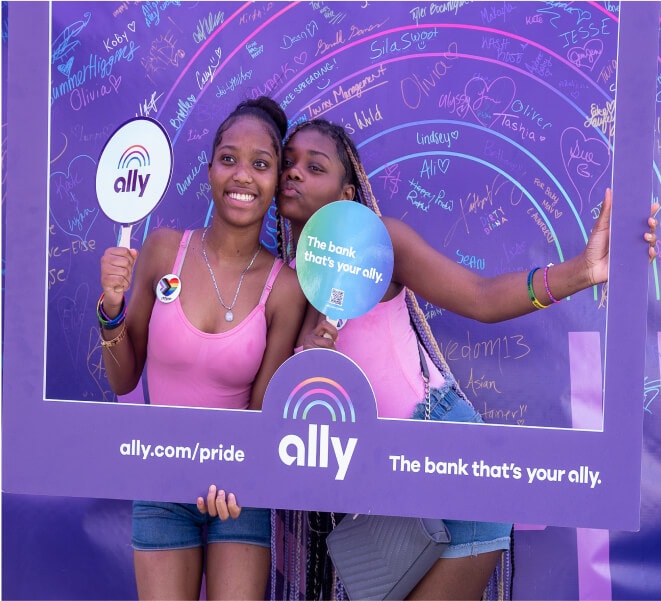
<point x="418" y="319"/>
<point x="285" y="244"/>
<point x="294" y="538"/>
<point x="363" y="186"/>
<point x="314" y="567"/>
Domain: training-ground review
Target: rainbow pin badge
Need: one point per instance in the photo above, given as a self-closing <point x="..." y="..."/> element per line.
<point x="168" y="288"/>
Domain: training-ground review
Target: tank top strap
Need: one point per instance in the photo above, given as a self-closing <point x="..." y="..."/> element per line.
<point x="275" y="270"/>
<point x="181" y="254"/>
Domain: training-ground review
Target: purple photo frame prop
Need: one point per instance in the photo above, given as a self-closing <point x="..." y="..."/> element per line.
<point x="586" y="478"/>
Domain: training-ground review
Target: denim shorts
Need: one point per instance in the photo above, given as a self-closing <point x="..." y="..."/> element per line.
<point x="467" y="538"/>
<point x="162" y="526"/>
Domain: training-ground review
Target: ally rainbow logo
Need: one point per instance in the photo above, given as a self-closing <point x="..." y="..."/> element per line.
<point x="136" y="154"/>
<point x="133" y="172"/>
<point x="321" y="392"/>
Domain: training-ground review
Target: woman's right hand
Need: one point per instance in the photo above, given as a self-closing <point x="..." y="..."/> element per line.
<point x="219" y="504"/>
<point x="116" y="272"/>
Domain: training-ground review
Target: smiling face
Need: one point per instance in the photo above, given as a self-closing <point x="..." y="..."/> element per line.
<point x="312" y="176"/>
<point x="243" y="172"/>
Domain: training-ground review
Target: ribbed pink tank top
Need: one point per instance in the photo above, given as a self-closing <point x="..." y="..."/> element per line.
<point x="190" y="368"/>
<point x="383" y="343"/>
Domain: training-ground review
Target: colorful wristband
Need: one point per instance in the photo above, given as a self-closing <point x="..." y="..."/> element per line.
<point x="106" y="322"/>
<point x="531" y="293"/>
<point x="546" y="284"/>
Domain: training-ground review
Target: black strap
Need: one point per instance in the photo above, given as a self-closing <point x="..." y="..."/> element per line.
<point x="423" y="362"/>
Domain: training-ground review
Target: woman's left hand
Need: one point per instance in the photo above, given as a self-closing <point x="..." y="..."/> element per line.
<point x="219" y="504"/>
<point x="650" y="237"/>
<point x="596" y="250"/>
<point x="324" y="335"/>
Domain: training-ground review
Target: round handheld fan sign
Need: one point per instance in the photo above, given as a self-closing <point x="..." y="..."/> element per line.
<point x="133" y="173"/>
<point x="344" y="260"/>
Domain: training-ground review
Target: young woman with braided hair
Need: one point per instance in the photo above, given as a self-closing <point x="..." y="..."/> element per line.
<point x="321" y="165"/>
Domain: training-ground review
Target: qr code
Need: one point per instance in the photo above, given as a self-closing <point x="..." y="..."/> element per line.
<point x="336" y="297"/>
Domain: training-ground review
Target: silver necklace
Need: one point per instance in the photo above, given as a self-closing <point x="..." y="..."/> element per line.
<point x="229" y="316"/>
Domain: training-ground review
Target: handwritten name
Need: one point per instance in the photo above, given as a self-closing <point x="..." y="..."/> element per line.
<point x="504" y="348"/>
<point x="489" y="15"/>
<point x="417" y="40"/>
<point x="184" y="108"/>
<point x="437" y="138"/>
<point x="206" y="76"/>
<point x="149" y="106"/>
<point x="332" y="16"/>
<point x="233" y="82"/>
<point x="437" y="8"/>
<point x="202" y="163"/>
<point x="586" y="32"/>
<point x="340" y="94"/>
<point x="602" y="118"/>
<point x="256" y="14"/>
<point x="96" y="67"/>
<point x="541" y="224"/>
<point x="152" y="10"/>
<point x="307" y="32"/>
<point x="416" y="86"/>
<point x="207" y="25"/>
<point x="81" y="97"/>
<point x="423" y="199"/>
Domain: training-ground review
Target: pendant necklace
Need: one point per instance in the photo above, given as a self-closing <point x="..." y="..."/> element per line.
<point x="229" y="316"/>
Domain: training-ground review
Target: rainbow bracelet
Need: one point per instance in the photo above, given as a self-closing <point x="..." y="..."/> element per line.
<point x="546" y="284"/>
<point x="531" y="293"/>
<point x="106" y="322"/>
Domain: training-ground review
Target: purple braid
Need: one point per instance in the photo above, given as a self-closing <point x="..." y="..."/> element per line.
<point x="418" y="319"/>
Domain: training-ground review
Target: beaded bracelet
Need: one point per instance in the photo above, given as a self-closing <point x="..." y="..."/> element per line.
<point x="116" y="340"/>
<point x="531" y="293"/>
<point x="546" y="284"/>
<point x="106" y="322"/>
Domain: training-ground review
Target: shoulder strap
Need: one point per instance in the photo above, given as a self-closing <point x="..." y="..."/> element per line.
<point x="275" y="270"/>
<point x="181" y="255"/>
<point x="423" y="361"/>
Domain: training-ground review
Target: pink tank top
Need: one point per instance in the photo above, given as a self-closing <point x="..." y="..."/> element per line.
<point x="190" y="368"/>
<point x="384" y="345"/>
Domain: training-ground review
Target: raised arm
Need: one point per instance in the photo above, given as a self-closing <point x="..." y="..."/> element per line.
<point x="446" y="284"/>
